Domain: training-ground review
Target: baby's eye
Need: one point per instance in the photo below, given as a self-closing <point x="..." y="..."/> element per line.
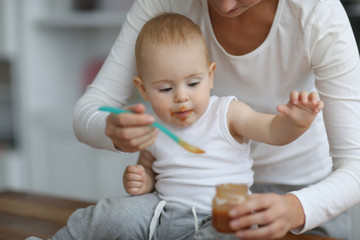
<point x="165" y="89"/>
<point x="193" y="84"/>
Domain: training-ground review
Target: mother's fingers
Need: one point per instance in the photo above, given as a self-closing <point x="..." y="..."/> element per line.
<point x="254" y="202"/>
<point x="137" y="137"/>
<point x="274" y="214"/>
<point x="273" y="231"/>
<point x="138" y="108"/>
<point x="131" y="139"/>
<point x="130" y="119"/>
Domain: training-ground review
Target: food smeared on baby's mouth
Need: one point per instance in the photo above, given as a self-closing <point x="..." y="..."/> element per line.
<point x="182" y="114"/>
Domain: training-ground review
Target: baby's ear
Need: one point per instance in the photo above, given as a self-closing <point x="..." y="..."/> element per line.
<point x="212" y="68"/>
<point x="139" y="84"/>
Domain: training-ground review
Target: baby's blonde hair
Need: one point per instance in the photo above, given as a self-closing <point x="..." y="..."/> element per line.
<point x="169" y="29"/>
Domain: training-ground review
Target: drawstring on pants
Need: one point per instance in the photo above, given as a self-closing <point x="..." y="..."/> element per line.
<point x="196" y="224"/>
<point x="157" y="212"/>
<point x="159" y="207"/>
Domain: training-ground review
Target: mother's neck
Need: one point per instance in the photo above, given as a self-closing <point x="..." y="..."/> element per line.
<point x="244" y="33"/>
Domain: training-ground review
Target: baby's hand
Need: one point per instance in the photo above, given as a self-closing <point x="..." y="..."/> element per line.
<point x="302" y="108"/>
<point x="134" y="179"/>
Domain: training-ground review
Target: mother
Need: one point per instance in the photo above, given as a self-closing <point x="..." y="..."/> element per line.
<point x="262" y="48"/>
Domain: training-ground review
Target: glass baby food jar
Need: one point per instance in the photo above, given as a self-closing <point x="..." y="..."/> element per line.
<point x="227" y="196"/>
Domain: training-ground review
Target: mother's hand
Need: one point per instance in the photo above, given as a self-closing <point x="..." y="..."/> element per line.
<point x="274" y="214"/>
<point x="131" y="132"/>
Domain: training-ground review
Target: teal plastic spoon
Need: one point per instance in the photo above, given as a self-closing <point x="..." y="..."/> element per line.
<point x="182" y="143"/>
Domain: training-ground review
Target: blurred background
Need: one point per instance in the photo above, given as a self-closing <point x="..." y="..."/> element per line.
<point x="50" y="50"/>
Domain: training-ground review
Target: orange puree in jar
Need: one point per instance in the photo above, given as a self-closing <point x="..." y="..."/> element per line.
<point x="227" y="196"/>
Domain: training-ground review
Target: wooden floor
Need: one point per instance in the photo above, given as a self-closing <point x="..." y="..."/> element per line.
<point x="23" y="215"/>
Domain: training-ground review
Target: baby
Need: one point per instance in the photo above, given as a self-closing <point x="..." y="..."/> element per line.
<point x="175" y="75"/>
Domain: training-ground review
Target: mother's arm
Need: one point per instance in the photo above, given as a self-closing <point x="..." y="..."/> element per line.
<point x="335" y="60"/>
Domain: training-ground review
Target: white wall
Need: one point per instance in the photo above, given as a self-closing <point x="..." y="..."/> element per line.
<point x="10" y="175"/>
<point x="7" y="30"/>
<point x="51" y="47"/>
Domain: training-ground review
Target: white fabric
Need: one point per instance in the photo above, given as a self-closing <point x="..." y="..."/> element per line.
<point x="310" y="45"/>
<point x="189" y="179"/>
<point x="155" y="218"/>
<point x="196" y="223"/>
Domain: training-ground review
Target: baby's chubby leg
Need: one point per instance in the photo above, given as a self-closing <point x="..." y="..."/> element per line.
<point x="111" y="218"/>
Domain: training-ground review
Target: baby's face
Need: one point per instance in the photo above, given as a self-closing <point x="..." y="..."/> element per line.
<point x="177" y="82"/>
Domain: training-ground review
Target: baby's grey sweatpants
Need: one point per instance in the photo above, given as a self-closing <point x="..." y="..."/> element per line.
<point x="138" y="217"/>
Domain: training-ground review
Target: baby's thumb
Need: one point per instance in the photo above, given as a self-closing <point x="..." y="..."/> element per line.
<point x="140" y="169"/>
<point x="284" y="109"/>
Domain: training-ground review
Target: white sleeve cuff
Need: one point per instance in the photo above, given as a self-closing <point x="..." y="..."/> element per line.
<point x="330" y="197"/>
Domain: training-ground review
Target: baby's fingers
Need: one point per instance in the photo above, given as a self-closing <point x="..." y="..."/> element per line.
<point x="133" y="177"/>
<point x="314" y="103"/>
<point x="134" y="173"/>
<point x="305" y="100"/>
<point x="294" y="97"/>
<point x="133" y="169"/>
<point x="303" y="97"/>
<point x="319" y="106"/>
<point x="314" y="98"/>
